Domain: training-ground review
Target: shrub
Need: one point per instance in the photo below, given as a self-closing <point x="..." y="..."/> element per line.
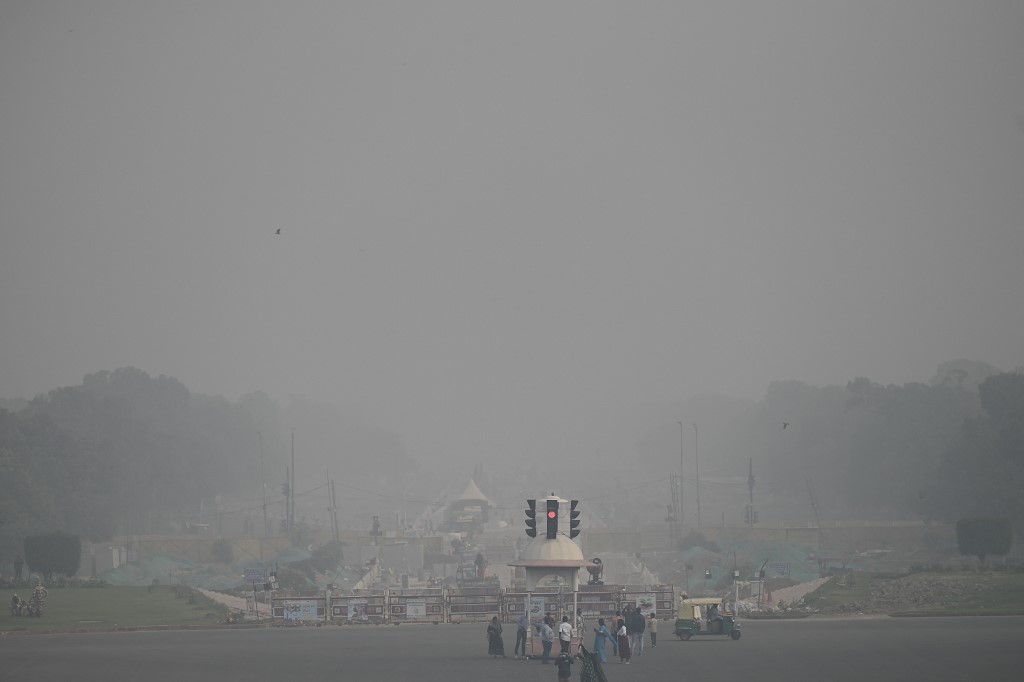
<point x="981" y="537"/>
<point x="53" y="553"/>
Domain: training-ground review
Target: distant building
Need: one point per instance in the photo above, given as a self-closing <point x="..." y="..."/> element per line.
<point x="470" y="511"/>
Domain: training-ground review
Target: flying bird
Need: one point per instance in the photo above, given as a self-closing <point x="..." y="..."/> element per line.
<point x="278" y="231"/>
<point x="784" y="425"/>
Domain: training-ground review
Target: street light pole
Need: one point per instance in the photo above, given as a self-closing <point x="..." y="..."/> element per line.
<point x="264" y="482"/>
<point x="681" y="458"/>
<point x="696" y="458"/>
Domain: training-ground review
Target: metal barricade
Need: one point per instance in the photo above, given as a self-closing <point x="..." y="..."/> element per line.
<point x="417" y="606"/>
<point x="512" y="604"/>
<point x="656" y="598"/>
<point x="474" y="604"/>
<point x="358" y="609"/>
<point x="298" y="610"/>
<point x="599" y="601"/>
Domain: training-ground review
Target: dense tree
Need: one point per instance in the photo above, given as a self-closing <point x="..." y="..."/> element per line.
<point x="128" y="451"/>
<point x="53" y="553"/>
<point x="982" y="470"/>
<point x="983" y="537"/>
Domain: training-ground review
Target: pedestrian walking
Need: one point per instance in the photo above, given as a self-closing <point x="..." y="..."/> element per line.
<point x="565" y="635"/>
<point x="623" y="643"/>
<point x="547" y="638"/>
<point x="614" y="627"/>
<point x="522" y="631"/>
<point x="601" y="637"/>
<point x="639" y="626"/>
<point x="652" y="628"/>
<point x="590" y="666"/>
<point x="495" y="643"/>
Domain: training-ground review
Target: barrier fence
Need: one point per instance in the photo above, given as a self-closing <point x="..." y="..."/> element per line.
<point x="468" y="605"/>
<point x="370" y="609"/>
<point x="417" y="606"/>
<point x="474" y="604"/>
<point x="298" y="610"/>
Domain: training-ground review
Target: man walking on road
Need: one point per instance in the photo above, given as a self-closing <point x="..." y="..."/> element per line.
<point x="636" y="643"/>
<point x="565" y="634"/>
<point x="522" y="629"/>
<point x="547" y="638"/>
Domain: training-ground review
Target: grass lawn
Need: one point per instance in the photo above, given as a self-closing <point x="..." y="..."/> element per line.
<point x="852" y="587"/>
<point x="961" y="593"/>
<point x="107" y="607"/>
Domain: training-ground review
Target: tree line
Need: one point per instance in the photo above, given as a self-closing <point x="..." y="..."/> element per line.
<point x="943" y="450"/>
<point x="126" y="448"/>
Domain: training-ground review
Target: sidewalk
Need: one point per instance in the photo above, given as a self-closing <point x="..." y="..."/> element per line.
<point x="236" y="603"/>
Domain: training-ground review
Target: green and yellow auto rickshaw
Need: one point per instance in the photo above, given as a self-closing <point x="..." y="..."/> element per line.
<point x="705" y="616"/>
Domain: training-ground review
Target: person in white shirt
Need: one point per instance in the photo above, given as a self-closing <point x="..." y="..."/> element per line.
<point x="565" y="634"/>
<point x="624" y="652"/>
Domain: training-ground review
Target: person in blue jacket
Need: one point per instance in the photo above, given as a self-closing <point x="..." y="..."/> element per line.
<point x="601" y="636"/>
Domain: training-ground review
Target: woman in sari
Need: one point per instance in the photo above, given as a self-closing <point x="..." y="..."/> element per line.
<point x="601" y="636"/>
<point x="590" y="670"/>
<point x="495" y="644"/>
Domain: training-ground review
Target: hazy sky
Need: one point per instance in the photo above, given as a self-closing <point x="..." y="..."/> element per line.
<point x="500" y="221"/>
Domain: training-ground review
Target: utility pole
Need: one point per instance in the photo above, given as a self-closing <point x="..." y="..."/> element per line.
<point x="333" y="509"/>
<point x="751" y="513"/>
<point x="291" y="511"/>
<point x="696" y="459"/>
<point x="263" y="478"/>
<point x="334" y="502"/>
<point x="289" y="491"/>
<point x="682" y="457"/>
<point x="817" y="515"/>
<point x="677" y="509"/>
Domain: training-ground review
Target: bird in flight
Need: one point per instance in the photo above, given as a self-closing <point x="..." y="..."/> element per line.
<point x="278" y="231"/>
<point x="784" y="425"/>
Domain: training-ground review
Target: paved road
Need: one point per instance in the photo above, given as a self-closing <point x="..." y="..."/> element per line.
<point x="857" y="650"/>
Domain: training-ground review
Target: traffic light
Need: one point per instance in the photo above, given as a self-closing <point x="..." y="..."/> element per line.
<point x="755" y="516"/>
<point x="552" y="519"/>
<point x="574" y="519"/>
<point x="746" y="515"/>
<point x="531" y="518"/>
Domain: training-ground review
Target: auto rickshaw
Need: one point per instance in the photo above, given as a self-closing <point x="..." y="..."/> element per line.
<point x="696" y="617"/>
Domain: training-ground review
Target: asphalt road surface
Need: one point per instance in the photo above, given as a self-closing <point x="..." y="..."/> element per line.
<point x="861" y="650"/>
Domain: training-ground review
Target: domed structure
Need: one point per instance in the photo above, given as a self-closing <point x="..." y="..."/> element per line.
<point x="558" y="556"/>
<point x="558" y="553"/>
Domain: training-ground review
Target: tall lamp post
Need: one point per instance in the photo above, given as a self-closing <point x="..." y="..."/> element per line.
<point x="681" y="458"/>
<point x="264" y="481"/>
<point x="696" y="458"/>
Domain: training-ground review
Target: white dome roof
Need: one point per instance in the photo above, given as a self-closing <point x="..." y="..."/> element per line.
<point x="543" y="552"/>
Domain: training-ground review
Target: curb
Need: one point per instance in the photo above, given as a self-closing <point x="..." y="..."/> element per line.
<point x="134" y="628"/>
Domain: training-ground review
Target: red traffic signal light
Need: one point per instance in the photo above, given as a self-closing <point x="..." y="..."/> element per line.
<point x="552" y="519"/>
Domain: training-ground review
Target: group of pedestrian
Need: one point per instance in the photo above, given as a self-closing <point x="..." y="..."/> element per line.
<point x="547" y="636"/>
<point x="548" y="631"/>
<point x="626" y="634"/>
